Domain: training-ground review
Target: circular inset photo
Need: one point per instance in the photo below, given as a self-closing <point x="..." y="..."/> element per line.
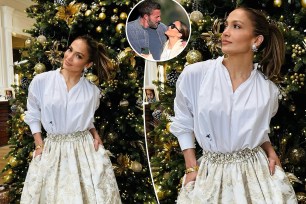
<point x="158" y="30"/>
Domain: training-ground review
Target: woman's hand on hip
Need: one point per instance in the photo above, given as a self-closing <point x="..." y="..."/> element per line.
<point x="97" y="142"/>
<point x="273" y="160"/>
<point x="37" y="152"/>
<point x="190" y="177"/>
<point x="272" y="156"/>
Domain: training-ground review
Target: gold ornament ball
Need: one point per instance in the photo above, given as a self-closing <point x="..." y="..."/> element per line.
<point x="22" y="117"/>
<point x="41" y="39"/>
<point x="99" y="29"/>
<point x="123" y="16"/>
<point x="92" y="78"/>
<point x="115" y="10"/>
<point x="196" y="16"/>
<point x="39" y="68"/>
<point x="277" y="3"/>
<point x="303" y="3"/>
<point x="102" y="16"/>
<point x="136" y="166"/>
<point x="301" y="197"/>
<point x="120" y="27"/>
<point x="88" y="12"/>
<point x="193" y="56"/>
<point x="297" y="155"/>
<point x="28" y="42"/>
<point x="13" y="161"/>
<point x="168" y="126"/>
<point x="8" y="178"/>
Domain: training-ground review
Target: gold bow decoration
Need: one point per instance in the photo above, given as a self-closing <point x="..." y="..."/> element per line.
<point x="213" y="37"/>
<point x="54" y="55"/>
<point x="67" y="13"/>
<point x="123" y="165"/>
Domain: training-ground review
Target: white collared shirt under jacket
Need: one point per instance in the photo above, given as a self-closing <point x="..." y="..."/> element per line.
<point x="206" y="108"/>
<point x="59" y="111"/>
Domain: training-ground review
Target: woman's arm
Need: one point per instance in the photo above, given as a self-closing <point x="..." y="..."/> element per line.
<point x="97" y="139"/>
<point x="39" y="143"/>
<point x="272" y="156"/>
<point x="191" y="164"/>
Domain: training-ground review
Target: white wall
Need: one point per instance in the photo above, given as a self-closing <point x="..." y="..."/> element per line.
<point x="13" y="19"/>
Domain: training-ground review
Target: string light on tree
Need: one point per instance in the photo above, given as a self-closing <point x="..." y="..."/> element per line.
<point x="277" y="3"/>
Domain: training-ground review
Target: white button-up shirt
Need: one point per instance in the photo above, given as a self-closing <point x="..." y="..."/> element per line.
<point x="207" y="109"/>
<point x="59" y="111"/>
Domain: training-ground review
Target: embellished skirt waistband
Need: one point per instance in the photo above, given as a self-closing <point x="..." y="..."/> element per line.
<point x="234" y="157"/>
<point x="67" y="137"/>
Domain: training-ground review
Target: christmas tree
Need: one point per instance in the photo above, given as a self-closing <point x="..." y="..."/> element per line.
<point x="288" y="127"/>
<point x="119" y="117"/>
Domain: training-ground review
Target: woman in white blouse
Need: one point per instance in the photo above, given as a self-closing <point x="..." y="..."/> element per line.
<point x="70" y="165"/>
<point x="177" y="34"/>
<point x="226" y="104"/>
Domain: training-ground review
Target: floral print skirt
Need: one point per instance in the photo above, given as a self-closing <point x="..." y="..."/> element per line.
<point x="70" y="171"/>
<point x="241" y="177"/>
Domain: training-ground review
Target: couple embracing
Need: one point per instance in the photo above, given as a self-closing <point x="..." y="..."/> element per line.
<point x="154" y="40"/>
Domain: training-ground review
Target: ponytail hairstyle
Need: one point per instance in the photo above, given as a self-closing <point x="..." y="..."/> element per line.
<point x="273" y="45"/>
<point x="97" y="54"/>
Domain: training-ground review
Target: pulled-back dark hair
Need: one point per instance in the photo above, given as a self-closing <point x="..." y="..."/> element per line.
<point x="97" y="54"/>
<point x="273" y="45"/>
<point x="184" y="31"/>
<point x="147" y="6"/>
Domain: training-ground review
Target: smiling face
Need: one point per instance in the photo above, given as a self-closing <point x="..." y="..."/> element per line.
<point x="154" y="18"/>
<point x="238" y="37"/>
<point x="76" y="57"/>
<point x="174" y="30"/>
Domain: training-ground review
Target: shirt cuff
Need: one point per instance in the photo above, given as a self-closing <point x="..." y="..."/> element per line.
<point x="186" y="141"/>
<point x="35" y="127"/>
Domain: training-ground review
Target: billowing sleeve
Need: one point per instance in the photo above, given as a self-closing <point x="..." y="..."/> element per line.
<point x="33" y="113"/>
<point x="275" y="101"/>
<point x="97" y="104"/>
<point x="183" y="123"/>
<point x="274" y="108"/>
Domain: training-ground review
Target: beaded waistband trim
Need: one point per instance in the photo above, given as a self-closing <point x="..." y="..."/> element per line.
<point x="67" y="137"/>
<point x="223" y="158"/>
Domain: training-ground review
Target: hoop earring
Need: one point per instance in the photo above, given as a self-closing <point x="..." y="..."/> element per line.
<point x="254" y="48"/>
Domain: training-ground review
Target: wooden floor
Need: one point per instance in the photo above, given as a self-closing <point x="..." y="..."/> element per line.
<point x="3" y="151"/>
